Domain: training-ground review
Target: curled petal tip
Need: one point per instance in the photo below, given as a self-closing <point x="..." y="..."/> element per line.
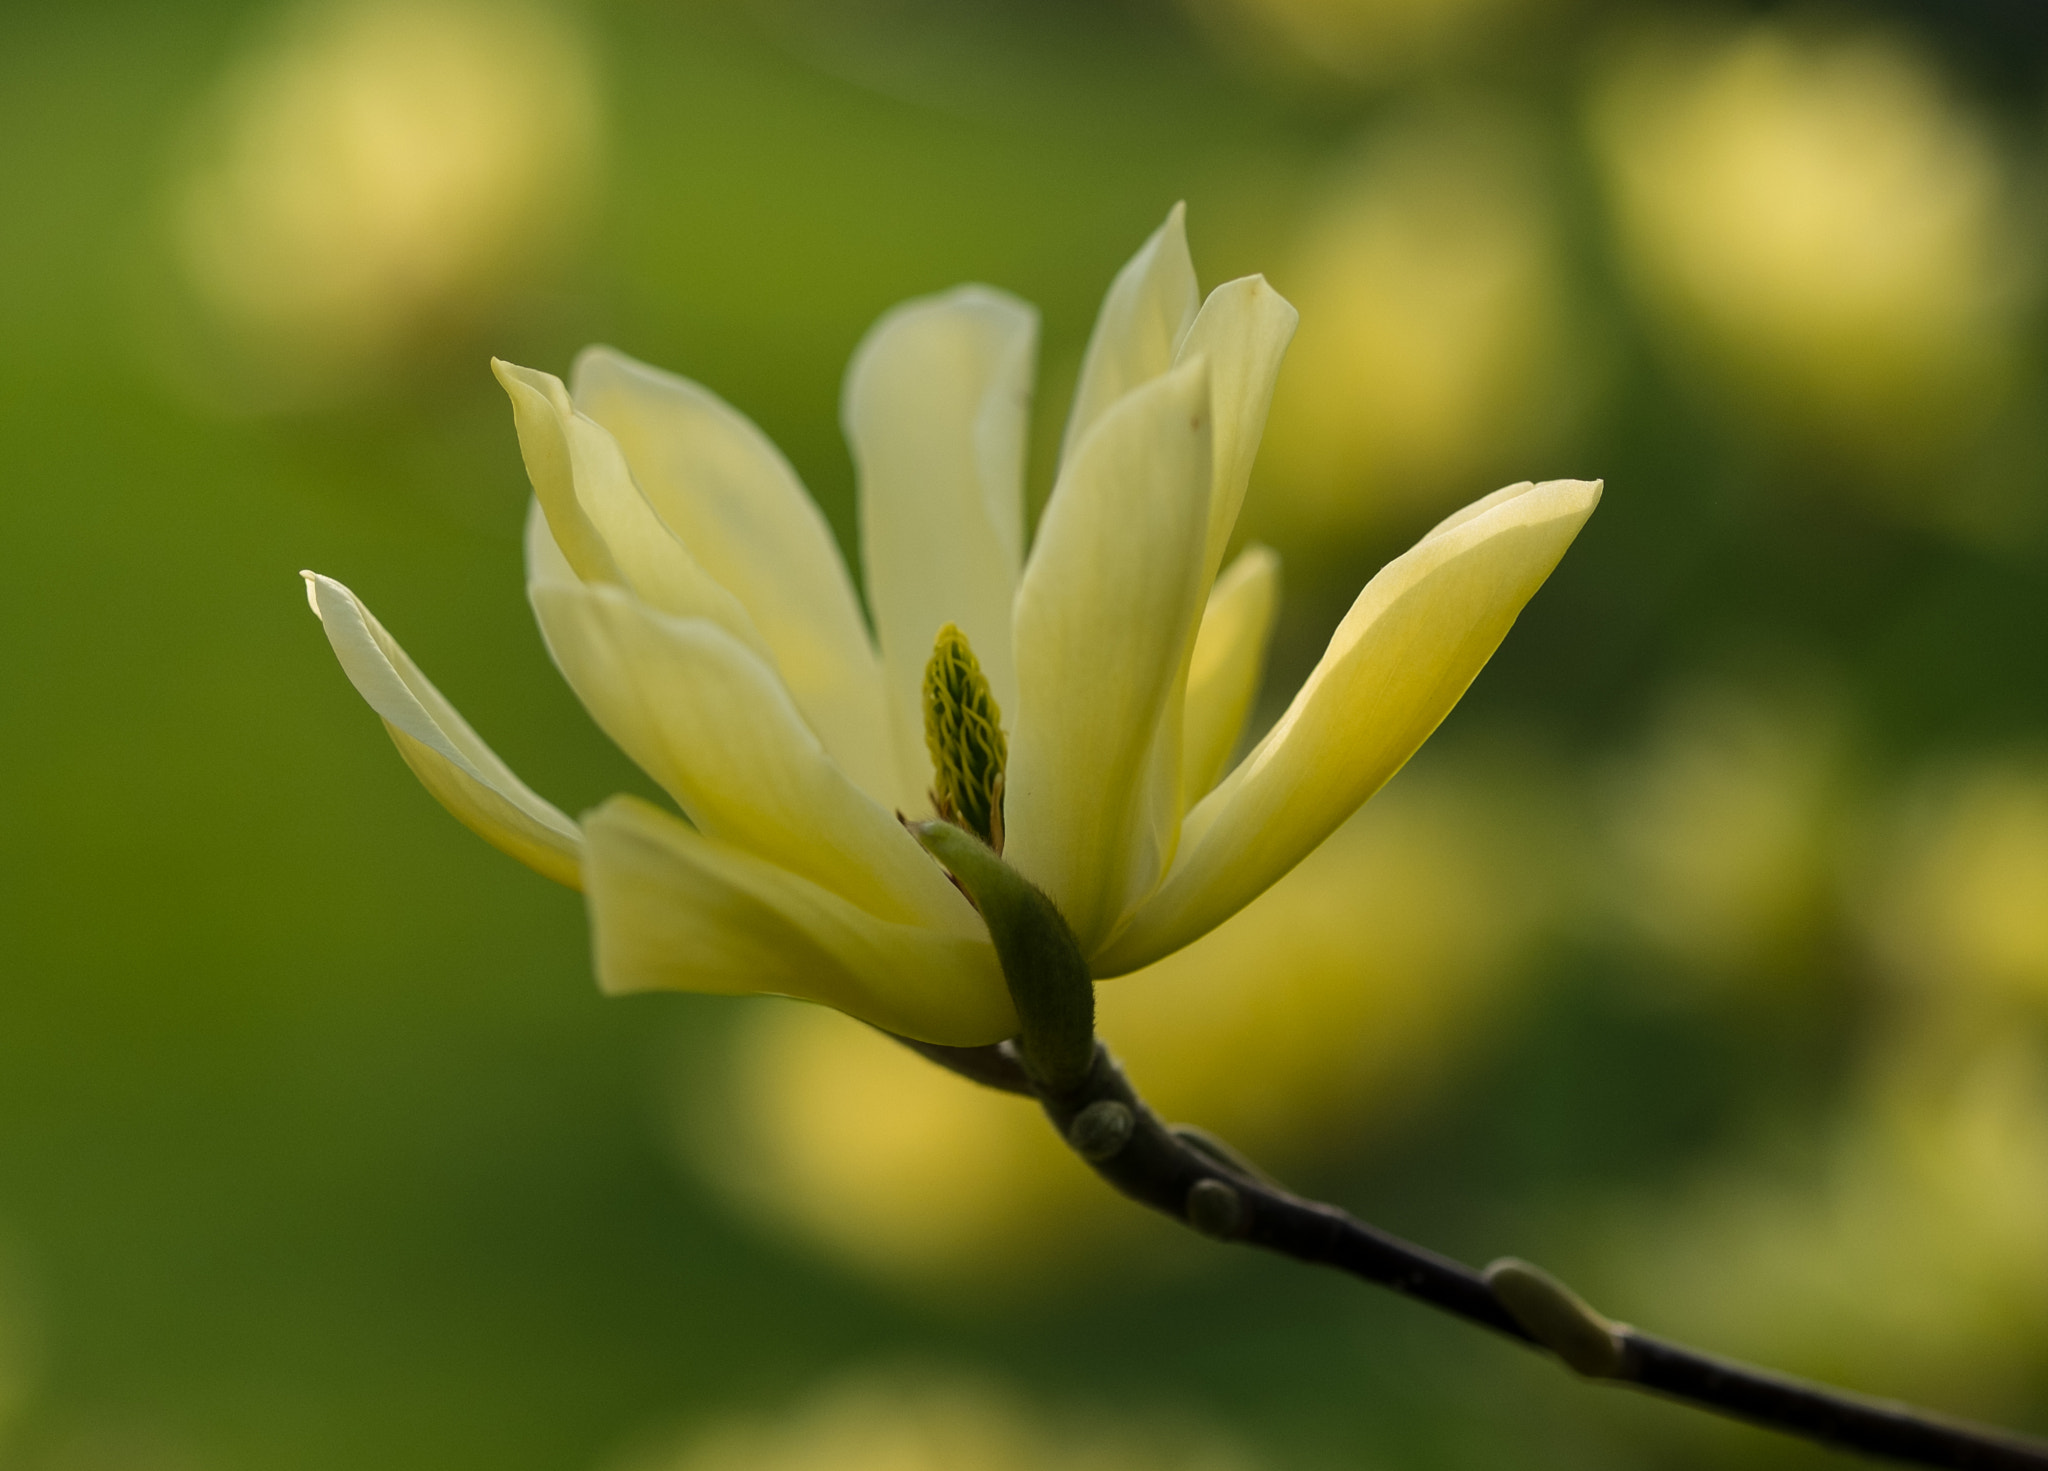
<point x="510" y="374"/>
<point x="312" y="580"/>
<point x="1588" y="491"/>
<point x="1583" y="495"/>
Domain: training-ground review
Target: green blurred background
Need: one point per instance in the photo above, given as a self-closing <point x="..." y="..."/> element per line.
<point x="1703" y="956"/>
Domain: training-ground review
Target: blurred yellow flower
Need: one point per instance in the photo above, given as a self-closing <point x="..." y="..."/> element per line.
<point x="1297" y="1030"/>
<point x="382" y="170"/>
<point x="1436" y="343"/>
<point x="1960" y="908"/>
<point x="1904" y="1257"/>
<point x="908" y="1420"/>
<point x="1823" y="224"/>
<point x="1722" y="832"/>
<point x="693" y="597"/>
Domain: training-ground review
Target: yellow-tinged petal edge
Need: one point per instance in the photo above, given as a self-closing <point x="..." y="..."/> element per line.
<point x="449" y="758"/>
<point x="673" y="910"/>
<point x="707" y="718"/>
<point x="1106" y="616"/>
<point x="1230" y="659"/>
<point x="1415" y="639"/>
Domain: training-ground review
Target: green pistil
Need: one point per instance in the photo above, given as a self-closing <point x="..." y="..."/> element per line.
<point x="963" y="730"/>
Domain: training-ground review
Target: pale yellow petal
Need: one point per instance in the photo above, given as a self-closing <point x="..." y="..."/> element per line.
<point x="739" y="509"/>
<point x="1479" y="507"/>
<point x="603" y="525"/>
<point x="550" y="465"/>
<point x="1230" y="659"/>
<point x="1411" y="644"/>
<point x="1147" y="312"/>
<point x="1243" y="329"/>
<point x="936" y="403"/>
<point x="449" y="758"/>
<point x="706" y="718"/>
<point x="544" y="559"/>
<point x="1106" y="615"/>
<point x="674" y="910"/>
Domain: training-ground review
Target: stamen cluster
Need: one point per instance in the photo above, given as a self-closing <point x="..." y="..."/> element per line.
<point x="963" y="730"/>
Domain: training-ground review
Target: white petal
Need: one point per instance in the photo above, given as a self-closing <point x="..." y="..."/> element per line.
<point x="449" y="758"/>
<point x="1230" y="658"/>
<point x="1243" y="329"/>
<point x="1106" y="616"/>
<point x="1411" y="644"/>
<point x="738" y="507"/>
<point x="673" y="910"/>
<point x="600" y="521"/>
<point x="1145" y="315"/>
<point x="935" y="407"/>
<point x="707" y="719"/>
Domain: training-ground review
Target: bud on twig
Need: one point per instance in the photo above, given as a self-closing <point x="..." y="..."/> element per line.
<point x="1558" y="1318"/>
<point x="1101" y="1130"/>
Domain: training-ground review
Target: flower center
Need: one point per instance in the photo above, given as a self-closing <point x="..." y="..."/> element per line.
<point x="963" y="730"/>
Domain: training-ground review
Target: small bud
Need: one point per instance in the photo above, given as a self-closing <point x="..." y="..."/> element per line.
<point x="1558" y="1318"/>
<point x="1101" y="1130"/>
<point x="1216" y="1209"/>
<point x="963" y="731"/>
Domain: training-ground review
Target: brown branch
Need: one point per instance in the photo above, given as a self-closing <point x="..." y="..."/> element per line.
<point x="1205" y="1186"/>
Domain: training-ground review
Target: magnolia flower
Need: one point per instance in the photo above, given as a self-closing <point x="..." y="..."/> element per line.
<point x="692" y="595"/>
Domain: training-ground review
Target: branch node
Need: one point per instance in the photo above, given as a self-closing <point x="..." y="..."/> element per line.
<point x="1216" y="1209"/>
<point x="1101" y="1130"/>
<point x="1560" y="1319"/>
